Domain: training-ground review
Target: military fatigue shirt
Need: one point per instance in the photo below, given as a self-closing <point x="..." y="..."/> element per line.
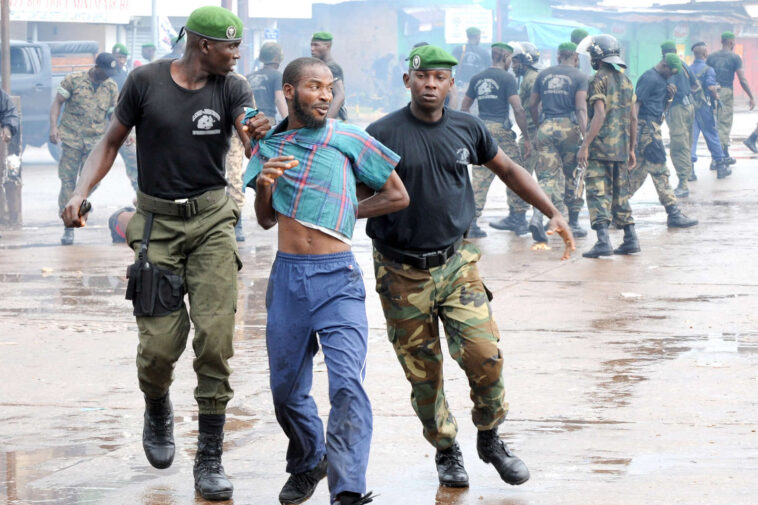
<point x="525" y="92"/>
<point x="87" y="107"/>
<point x="616" y="91"/>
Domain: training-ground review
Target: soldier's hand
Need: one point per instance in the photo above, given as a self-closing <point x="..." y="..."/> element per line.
<point x="559" y="225"/>
<point x="274" y="168"/>
<point x="70" y="214"/>
<point x="527" y="148"/>
<point x="632" y="161"/>
<point x="582" y="156"/>
<point x="7" y="134"/>
<point x="671" y="89"/>
<point x="257" y="127"/>
<point x="751" y="103"/>
<point x="54" y="135"/>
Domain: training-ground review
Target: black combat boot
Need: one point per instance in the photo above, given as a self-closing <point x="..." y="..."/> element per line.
<point x="238" y="234"/>
<point x="475" y="232"/>
<point x="693" y="176"/>
<point x="535" y="226"/>
<point x="450" y="468"/>
<point x="577" y="230"/>
<point x="493" y="450"/>
<point x="301" y="486"/>
<point x="68" y="236"/>
<point x="603" y="245"/>
<point x="729" y="159"/>
<point x="507" y="223"/>
<point x="630" y="244"/>
<point x="158" y="432"/>
<point x="348" y="498"/>
<point x="677" y="219"/>
<point x="681" y="190"/>
<point x="210" y="480"/>
<point x="722" y="169"/>
<point x="750" y="142"/>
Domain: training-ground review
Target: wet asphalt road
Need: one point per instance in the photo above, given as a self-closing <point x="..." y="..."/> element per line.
<point x="632" y="380"/>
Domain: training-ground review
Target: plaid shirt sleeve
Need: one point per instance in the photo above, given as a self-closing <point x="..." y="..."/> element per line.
<point x="372" y="162"/>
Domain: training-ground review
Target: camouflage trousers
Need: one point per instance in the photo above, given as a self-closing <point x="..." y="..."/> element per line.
<point x="129" y="155"/>
<point x="607" y="185"/>
<point x="725" y="115"/>
<point x="679" y="119"/>
<point x="69" y="167"/>
<point x="482" y="177"/>
<point x="414" y="301"/>
<point x="235" y="168"/>
<point x="649" y="132"/>
<point x="557" y="143"/>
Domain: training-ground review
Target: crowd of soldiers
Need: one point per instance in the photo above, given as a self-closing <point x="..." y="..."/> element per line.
<point x="314" y="175"/>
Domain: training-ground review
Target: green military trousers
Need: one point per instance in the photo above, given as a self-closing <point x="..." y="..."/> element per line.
<point x="69" y="167"/>
<point x="649" y="132"/>
<point x="414" y="301"/>
<point x="679" y="119"/>
<point x="607" y="184"/>
<point x="482" y="177"/>
<point x="203" y="250"/>
<point x="557" y="143"/>
<point x="725" y="115"/>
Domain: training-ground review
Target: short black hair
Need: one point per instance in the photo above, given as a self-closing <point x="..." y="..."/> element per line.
<point x="294" y="69"/>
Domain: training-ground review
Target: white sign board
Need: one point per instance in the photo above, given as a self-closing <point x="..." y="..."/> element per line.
<point x="458" y="19"/>
<point x="291" y="9"/>
<point x="72" y="11"/>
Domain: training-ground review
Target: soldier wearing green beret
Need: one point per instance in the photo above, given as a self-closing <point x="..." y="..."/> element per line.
<point x="562" y="92"/>
<point x="321" y="48"/>
<point x="654" y="97"/>
<point x="426" y="270"/>
<point x="128" y="151"/>
<point x="472" y="58"/>
<point x="726" y="63"/>
<point x="495" y="90"/>
<point x="184" y="112"/>
<point x="578" y="35"/>
<point x="148" y="53"/>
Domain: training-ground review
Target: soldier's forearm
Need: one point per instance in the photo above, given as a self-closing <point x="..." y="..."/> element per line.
<point x="746" y="87"/>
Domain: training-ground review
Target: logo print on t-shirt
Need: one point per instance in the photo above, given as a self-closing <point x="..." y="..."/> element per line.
<point x="558" y="84"/>
<point x="463" y="156"/>
<point x="486" y="88"/>
<point x="204" y="120"/>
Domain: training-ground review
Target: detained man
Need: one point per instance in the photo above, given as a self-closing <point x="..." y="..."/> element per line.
<point x="305" y="174"/>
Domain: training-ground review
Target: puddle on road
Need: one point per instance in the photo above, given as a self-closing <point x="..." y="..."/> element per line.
<point x="612" y="466"/>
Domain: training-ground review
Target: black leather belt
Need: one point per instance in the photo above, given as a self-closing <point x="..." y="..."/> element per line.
<point x="185" y="208"/>
<point x="417" y="259"/>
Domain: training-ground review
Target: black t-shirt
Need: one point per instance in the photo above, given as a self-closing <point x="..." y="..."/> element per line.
<point x="471" y="61"/>
<point x="434" y="159"/>
<point x="492" y="89"/>
<point x="651" y="94"/>
<point x="725" y="63"/>
<point x="557" y="87"/>
<point x="182" y="135"/>
<point x="265" y="83"/>
<point x="339" y="76"/>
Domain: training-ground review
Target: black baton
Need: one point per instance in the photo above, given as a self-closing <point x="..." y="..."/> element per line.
<point x="84" y="208"/>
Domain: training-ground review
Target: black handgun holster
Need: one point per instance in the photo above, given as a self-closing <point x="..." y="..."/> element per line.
<point x="154" y="291"/>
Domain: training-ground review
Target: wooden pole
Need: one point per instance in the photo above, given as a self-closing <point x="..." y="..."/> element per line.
<point x="6" y="45"/>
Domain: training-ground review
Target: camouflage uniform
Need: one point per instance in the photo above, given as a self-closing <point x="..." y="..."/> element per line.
<point x="482" y="177"/>
<point x="725" y="114"/>
<point x="129" y="155"/>
<point x="82" y="125"/>
<point x="235" y="167"/>
<point x="649" y="132"/>
<point x="680" y="119"/>
<point x="607" y="176"/>
<point x="515" y="203"/>
<point x="414" y="301"/>
<point x="557" y="143"/>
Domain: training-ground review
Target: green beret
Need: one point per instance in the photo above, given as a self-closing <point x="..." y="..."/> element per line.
<point x="578" y="35"/>
<point x="567" y="46"/>
<point x="668" y="46"/>
<point x="473" y="31"/>
<point x="148" y="45"/>
<point x="215" y="23"/>
<point x="727" y="36"/>
<point x="502" y="45"/>
<point x="673" y="62"/>
<point x="325" y="36"/>
<point x="431" y="58"/>
<point x="121" y="49"/>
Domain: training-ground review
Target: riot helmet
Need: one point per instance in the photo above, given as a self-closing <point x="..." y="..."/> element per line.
<point x="602" y="47"/>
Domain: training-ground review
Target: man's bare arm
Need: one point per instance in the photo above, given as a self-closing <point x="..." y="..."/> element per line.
<point x="264" y="189"/>
<point x="338" y="99"/>
<point x="391" y="198"/>
<point x="746" y="86"/>
<point x="534" y="104"/>
<point x="580" y="105"/>
<point x="281" y="103"/>
<point x="55" y="113"/>
<point x="598" y="118"/>
<point x="467" y="103"/>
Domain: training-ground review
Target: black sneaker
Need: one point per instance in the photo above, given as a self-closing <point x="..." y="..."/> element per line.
<point x="301" y="486"/>
<point x="355" y="499"/>
<point x="493" y="450"/>
<point x="450" y="467"/>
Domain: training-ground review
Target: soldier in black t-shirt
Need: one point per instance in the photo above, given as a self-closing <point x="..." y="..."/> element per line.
<point x="266" y="83"/>
<point x="426" y="271"/>
<point x="472" y="58"/>
<point x="321" y="48"/>
<point x="495" y="91"/>
<point x="184" y="111"/>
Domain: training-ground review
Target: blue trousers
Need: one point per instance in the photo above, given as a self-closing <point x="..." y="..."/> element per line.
<point x="705" y="122"/>
<point x="324" y="295"/>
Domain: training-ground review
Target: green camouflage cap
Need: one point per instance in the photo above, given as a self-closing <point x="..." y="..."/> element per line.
<point x="578" y="35"/>
<point x="325" y="36"/>
<point x="673" y="62"/>
<point x="431" y="58"/>
<point x="502" y="45"/>
<point x="473" y="31"/>
<point x="668" y="46"/>
<point x="214" y="23"/>
<point x="567" y="46"/>
<point x="121" y="49"/>
<point x="727" y="36"/>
